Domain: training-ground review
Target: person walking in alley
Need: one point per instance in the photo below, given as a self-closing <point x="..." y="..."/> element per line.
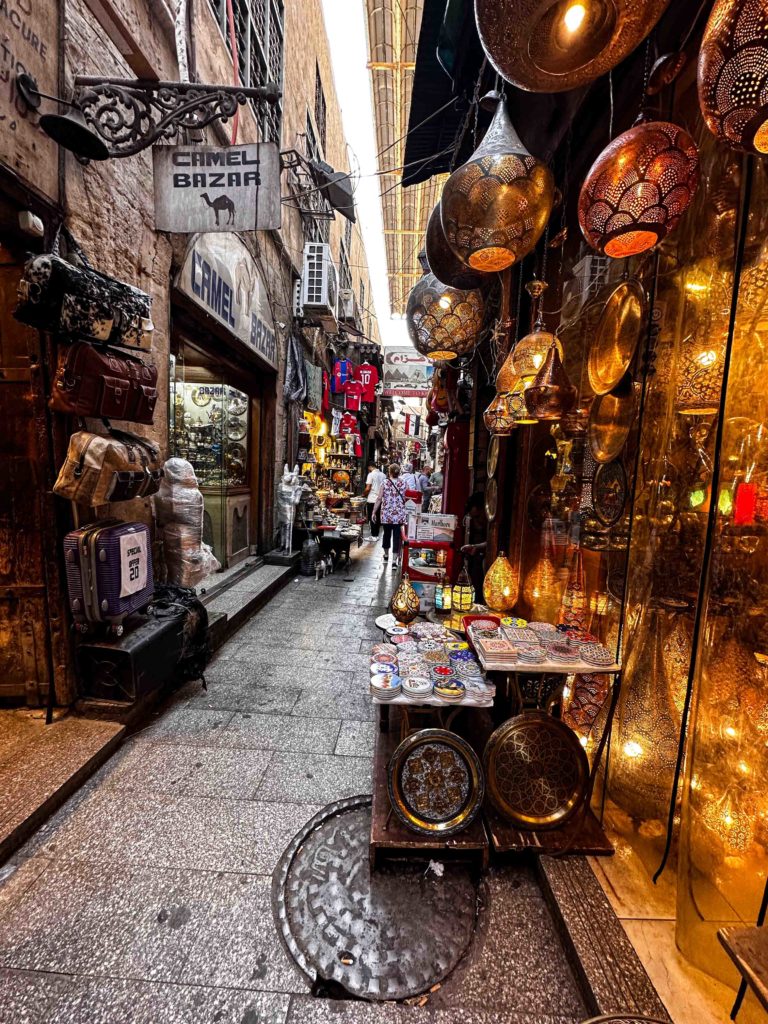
<point x="390" y="509"/>
<point x="373" y="484"/>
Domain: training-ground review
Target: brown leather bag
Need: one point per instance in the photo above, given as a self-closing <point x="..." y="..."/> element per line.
<point x="116" y="468"/>
<point x="101" y="382"/>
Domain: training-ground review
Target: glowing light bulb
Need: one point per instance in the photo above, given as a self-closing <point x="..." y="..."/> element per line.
<point x="537" y="359"/>
<point x="444" y="303"/>
<point x="574" y="17"/>
<point x="706" y="358"/>
<point x="730" y="731"/>
<point x="632" y="749"/>
<point x="583" y="740"/>
<point x="743" y="767"/>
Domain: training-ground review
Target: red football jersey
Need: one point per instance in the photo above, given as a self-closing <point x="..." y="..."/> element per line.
<point x="369" y="377"/>
<point x="348" y="423"/>
<point x="353" y="391"/>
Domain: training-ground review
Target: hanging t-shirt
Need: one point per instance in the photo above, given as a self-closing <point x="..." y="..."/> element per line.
<point x="342" y="372"/>
<point x="336" y="425"/>
<point x="326" y="401"/>
<point x="353" y="391"/>
<point x="358" y="449"/>
<point x="348" y="423"/>
<point x="368" y="376"/>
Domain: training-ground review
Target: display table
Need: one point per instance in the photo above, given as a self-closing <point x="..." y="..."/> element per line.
<point x="332" y="540"/>
<point x="553" y="668"/>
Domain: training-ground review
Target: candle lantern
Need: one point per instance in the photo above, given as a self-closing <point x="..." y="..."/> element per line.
<point x="498" y="417"/>
<point x="462" y="593"/>
<point x="550" y="395"/>
<point x="405" y="602"/>
<point x="495" y="207"/>
<point x="500" y="585"/>
<point x="638" y="189"/>
<point x="443" y="322"/>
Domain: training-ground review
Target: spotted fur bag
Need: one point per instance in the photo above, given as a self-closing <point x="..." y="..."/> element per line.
<point x="78" y="302"/>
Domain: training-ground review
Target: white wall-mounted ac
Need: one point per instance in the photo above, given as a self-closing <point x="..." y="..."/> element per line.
<point x="319" y="286"/>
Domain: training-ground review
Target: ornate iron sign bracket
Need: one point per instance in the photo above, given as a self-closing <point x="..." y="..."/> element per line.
<point x="131" y="115"/>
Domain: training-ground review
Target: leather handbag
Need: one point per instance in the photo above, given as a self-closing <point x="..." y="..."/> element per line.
<point x="101" y="469"/>
<point x="98" y="381"/>
<point x="76" y="301"/>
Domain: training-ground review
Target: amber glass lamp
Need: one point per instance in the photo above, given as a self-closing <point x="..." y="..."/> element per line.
<point x="516" y="399"/>
<point x="562" y="44"/>
<point x="638" y="189"/>
<point x="443" y="261"/>
<point x="542" y="588"/>
<point x="462" y="593"/>
<point x="405" y="602"/>
<point x="733" y="74"/>
<point x="443" y="322"/>
<point x="500" y="585"/>
<point x="494" y="208"/>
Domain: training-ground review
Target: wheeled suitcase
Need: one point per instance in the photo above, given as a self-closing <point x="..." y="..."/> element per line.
<point x="109" y="572"/>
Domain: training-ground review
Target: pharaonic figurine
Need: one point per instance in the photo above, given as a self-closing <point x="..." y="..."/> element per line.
<point x="288" y="497"/>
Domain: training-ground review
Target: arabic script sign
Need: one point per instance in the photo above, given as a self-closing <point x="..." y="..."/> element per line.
<point x="406" y="373"/>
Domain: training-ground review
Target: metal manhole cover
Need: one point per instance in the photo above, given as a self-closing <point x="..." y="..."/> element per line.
<point x="390" y="935"/>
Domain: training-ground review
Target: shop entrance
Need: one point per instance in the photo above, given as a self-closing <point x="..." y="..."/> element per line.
<point x="216" y="411"/>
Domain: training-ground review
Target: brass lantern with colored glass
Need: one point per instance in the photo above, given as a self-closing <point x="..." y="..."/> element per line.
<point x="562" y="44"/>
<point x="733" y="74"/>
<point x="638" y="189"/>
<point x="443" y="322"/>
<point x="498" y="417"/>
<point x="462" y="593"/>
<point x="495" y="207"/>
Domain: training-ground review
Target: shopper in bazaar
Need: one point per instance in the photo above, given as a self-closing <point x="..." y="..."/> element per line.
<point x="373" y="484"/>
<point x="392" y="514"/>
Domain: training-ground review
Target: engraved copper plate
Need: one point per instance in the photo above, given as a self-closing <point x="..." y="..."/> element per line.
<point x="610" y="420"/>
<point x="609" y="492"/>
<point x="491" y="499"/>
<point x="616" y="337"/>
<point x="493" y="456"/>
<point x="435" y="782"/>
<point x="536" y="771"/>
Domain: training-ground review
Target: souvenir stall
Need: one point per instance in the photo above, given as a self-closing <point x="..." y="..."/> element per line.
<point x="622" y="636"/>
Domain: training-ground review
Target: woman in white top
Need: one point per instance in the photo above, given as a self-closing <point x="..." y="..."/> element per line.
<point x="373" y="484"/>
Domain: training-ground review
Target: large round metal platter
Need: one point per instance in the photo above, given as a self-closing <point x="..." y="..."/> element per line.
<point x="493" y="456"/>
<point x="616" y="337"/>
<point x="536" y="771"/>
<point x="384" y="936"/>
<point x="609" y="492"/>
<point x="236" y="430"/>
<point x="610" y="420"/>
<point x="435" y="782"/>
<point x="491" y="499"/>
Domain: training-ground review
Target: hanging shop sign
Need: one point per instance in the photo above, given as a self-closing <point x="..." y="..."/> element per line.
<point x="217" y="188"/>
<point x="220" y="275"/>
<point x="407" y="374"/>
<point x="28" y="44"/>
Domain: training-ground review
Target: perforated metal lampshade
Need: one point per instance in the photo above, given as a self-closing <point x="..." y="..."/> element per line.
<point x="443" y="261"/>
<point x="443" y="322"/>
<point x="562" y="44"/>
<point x="526" y="358"/>
<point x="733" y="74"/>
<point x="499" y="417"/>
<point x="638" y="189"/>
<point x="495" y="207"/>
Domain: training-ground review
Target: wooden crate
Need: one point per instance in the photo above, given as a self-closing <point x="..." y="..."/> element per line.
<point x="582" y="835"/>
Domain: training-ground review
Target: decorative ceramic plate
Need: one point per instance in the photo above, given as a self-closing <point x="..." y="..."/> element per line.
<point x="609" y="492"/>
<point x="562" y="652"/>
<point x="610" y="420"/>
<point x="417" y="687"/>
<point x="237" y="404"/>
<point x="516" y="623"/>
<point x="596" y="654"/>
<point x="435" y="782"/>
<point x="542" y="628"/>
<point x="383" y="649"/>
<point x="236" y="430"/>
<point x="616" y="337"/>
<point x="453" y="691"/>
<point x="491" y="498"/>
<point x="493" y="456"/>
<point x="382" y="667"/>
<point x="201" y="398"/>
<point x="536" y="771"/>
<point x="456" y="645"/>
<point x="397" y="631"/>
<point x="442" y="672"/>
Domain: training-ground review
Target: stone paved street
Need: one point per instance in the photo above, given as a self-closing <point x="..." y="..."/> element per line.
<point x="146" y="899"/>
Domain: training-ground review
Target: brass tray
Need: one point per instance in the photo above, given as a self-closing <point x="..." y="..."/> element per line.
<point x="435" y="782"/>
<point x="491" y="499"/>
<point x="493" y="456"/>
<point x="616" y="337"/>
<point x="609" y="492"/>
<point x="536" y="771"/>
<point x="610" y="420"/>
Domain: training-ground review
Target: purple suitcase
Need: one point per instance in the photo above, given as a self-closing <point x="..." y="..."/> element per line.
<point x="109" y="572"/>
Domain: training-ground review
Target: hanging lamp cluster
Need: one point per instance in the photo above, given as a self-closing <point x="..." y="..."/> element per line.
<point x="443" y="322"/>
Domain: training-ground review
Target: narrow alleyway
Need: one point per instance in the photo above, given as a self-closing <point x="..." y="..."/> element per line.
<point x="147" y="898"/>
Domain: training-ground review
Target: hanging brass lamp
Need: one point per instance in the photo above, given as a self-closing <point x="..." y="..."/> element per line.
<point x="443" y="322"/>
<point x="516" y="399"/>
<point x="443" y="261"/>
<point x="733" y="74"/>
<point x="405" y="602"/>
<point x="638" y="189"/>
<point x="562" y="44"/>
<point x="501" y="585"/>
<point x="550" y="395"/>
<point x="499" y="418"/>
<point x="494" y="208"/>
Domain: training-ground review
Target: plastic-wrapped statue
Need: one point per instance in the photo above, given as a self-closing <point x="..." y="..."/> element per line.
<point x="288" y="497"/>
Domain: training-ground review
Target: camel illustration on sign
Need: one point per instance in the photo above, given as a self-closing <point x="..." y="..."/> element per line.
<point x="220" y="203"/>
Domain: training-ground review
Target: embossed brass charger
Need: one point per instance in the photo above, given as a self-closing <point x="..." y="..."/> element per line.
<point x="435" y="782"/>
<point x="536" y="771"/>
<point x="491" y="500"/>
<point x="610" y="420"/>
<point x="616" y="337"/>
<point x="493" y="456"/>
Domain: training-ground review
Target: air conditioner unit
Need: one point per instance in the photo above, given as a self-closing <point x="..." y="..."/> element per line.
<point x="320" y="291"/>
<point x="347" y="305"/>
<point x="298" y="309"/>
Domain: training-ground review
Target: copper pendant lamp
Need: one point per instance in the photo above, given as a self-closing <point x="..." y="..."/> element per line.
<point x="550" y="395"/>
<point x="733" y="74"/>
<point x="562" y="44"/>
<point x="443" y="261"/>
<point x="638" y="189"/>
<point x="494" y="208"/>
<point x="443" y="322"/>
<point x="498" y="417"/>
